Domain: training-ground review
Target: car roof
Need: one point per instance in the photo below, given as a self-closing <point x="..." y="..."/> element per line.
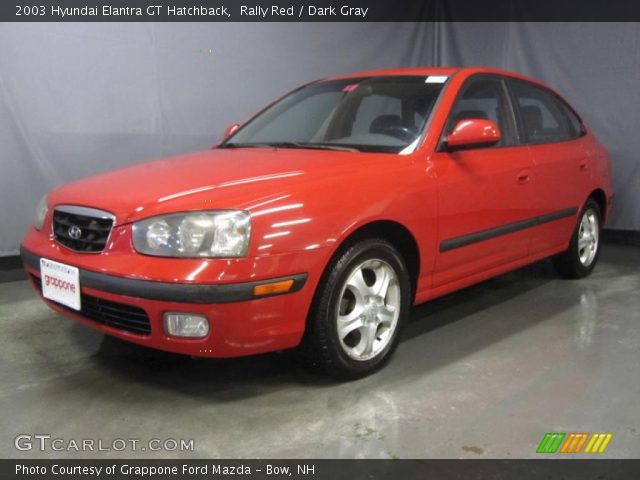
<point x="449" y="71"/>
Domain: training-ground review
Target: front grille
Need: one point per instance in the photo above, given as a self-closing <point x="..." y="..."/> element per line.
<point x="112" y="314"/>
<point x="82" y="229"/>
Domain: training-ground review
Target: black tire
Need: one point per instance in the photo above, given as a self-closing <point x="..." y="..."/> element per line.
<point x="322" y="349"/>
<point x="569" y="263"/>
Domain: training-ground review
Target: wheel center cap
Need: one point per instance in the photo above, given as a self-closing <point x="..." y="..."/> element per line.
<point x="371" y="310"/>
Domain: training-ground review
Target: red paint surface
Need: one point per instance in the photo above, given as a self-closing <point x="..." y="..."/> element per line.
<point x="305" y="203"/>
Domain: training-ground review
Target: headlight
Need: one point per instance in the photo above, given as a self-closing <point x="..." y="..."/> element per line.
<point x="41" y="213"/>
<point x="222" y="233"/>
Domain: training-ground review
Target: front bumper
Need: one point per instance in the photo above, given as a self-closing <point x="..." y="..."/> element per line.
<point x="166" y="291"/>
<point x="239" y="322"/>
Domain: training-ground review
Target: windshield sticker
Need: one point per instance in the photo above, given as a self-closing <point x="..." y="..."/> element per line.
<point x="350" y="88"/>
<point x="436" y="79"/>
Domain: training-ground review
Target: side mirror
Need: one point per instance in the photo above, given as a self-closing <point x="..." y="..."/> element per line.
<point x="473" y="132"/>
<point x="231" y="129"/>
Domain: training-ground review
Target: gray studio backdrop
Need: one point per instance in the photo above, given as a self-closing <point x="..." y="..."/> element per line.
<point x="77" y="99"/>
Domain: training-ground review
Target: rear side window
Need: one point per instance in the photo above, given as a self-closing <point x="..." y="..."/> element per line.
<point x="544" y="118"/>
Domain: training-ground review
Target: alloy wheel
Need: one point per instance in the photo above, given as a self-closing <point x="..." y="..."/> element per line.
<point x="588" y="237"/>
<point x="368" y="309"/>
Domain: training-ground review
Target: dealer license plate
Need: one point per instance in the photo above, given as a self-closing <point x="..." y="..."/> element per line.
<point x="60" y="283"/>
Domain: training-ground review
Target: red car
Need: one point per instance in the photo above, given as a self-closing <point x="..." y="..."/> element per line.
<point x="319" y="222"/>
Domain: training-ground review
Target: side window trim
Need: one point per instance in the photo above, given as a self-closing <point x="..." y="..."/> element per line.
<point x="522" y="135"/>
<point x="513" y="133"/>
<point x="516" y="133"/>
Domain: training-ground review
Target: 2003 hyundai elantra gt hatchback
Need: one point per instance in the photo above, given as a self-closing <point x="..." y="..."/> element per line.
<point x="319" y="222"/>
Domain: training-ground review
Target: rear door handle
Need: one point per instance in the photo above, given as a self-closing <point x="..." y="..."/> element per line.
<point x="583" y="165"/>
<point x="524" y="176"/>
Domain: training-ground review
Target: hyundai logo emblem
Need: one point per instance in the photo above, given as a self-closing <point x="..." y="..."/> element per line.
<point x="74" y="232"/>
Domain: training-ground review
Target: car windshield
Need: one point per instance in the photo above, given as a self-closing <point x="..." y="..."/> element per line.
<point x="373" y="114"/>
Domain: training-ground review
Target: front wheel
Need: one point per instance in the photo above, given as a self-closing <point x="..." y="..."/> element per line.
<point x="581" y="257"/>
<point x="361" y="305"/>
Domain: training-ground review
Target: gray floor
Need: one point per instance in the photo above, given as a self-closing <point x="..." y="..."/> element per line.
<point x="481" y="373"/>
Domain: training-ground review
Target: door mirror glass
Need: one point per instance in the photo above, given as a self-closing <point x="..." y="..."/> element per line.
<point x="473" y="132"/>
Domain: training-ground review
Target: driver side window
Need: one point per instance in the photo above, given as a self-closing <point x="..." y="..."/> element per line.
<point x="482" y="99"/>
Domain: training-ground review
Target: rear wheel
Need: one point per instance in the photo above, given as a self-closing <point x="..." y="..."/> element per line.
<point x="581" y="257"/>
<point x="360" y="308"/>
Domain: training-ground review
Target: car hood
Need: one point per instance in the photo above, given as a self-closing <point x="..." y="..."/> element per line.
<point x="213" y="179"/>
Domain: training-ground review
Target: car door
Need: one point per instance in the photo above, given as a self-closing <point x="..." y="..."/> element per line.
<point x="561" y="165"/>
<point x="483" y="193"/>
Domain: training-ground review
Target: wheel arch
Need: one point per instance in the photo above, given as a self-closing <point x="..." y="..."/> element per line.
<point x="391" y="231"/>
<point x="397" y="235"/>
<point x="600" y="198"/>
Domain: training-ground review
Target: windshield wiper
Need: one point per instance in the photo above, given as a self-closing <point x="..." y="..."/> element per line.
<point x="328" y="146"/>
<point x="245" y="145"/>
<point x="311" y="146"/>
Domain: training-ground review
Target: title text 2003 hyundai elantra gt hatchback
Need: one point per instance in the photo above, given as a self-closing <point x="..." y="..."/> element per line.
<point x="320" y="221"/>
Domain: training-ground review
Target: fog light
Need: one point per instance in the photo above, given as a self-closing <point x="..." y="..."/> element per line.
<point x="186" y="325"/>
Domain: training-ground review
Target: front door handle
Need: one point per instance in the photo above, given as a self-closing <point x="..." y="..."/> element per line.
<point x="524" y="176"/>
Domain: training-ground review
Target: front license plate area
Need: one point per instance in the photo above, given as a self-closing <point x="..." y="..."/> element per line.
<point x="60" y="283"/>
